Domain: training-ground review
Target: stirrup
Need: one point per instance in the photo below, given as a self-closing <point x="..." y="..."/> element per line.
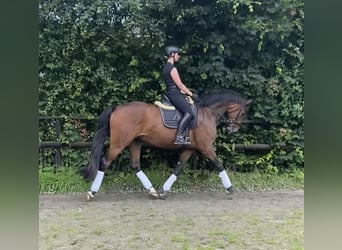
<point x="182" y="141"/>
<point x="187" y="140"/>
<point x="179" y="140"/>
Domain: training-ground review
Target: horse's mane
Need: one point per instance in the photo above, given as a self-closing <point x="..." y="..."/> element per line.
<point x="221" y="97"/>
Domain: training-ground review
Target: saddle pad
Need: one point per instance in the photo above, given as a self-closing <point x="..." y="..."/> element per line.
<point x="171" y="118"/>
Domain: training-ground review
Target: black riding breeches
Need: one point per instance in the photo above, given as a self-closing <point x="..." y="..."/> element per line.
<point x="179" y="101"/>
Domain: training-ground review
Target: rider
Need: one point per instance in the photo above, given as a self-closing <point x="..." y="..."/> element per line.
<point x="174" y="90"/>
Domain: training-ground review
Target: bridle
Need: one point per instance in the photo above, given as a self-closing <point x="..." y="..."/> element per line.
<point x="233" y="121"/>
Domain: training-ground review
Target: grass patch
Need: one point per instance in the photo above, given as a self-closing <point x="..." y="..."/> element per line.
<point x="67" y="180"/>
<point x="180" y="238"/>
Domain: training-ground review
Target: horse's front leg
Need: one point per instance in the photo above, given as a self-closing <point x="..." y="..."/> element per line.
<point x="224" y="176"/>
<point x="183" y="158"/>
<point x="211" y="155"/>
<point x="135" y="150"/>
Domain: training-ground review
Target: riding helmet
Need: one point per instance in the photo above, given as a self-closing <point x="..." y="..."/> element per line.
<point x="170" y="49"/>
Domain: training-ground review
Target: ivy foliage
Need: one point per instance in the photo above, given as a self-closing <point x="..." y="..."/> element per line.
<point x="96" y="53"/>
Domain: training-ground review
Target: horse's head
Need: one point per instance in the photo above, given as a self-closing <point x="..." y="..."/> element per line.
<point x="228" y="104"/>
<point x="235" y="114"/>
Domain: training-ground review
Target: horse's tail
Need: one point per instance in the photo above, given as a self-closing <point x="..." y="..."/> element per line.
<point x="102" y="132"/>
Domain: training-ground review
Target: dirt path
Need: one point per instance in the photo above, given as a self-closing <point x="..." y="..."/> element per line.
<point x="198" y="220"/>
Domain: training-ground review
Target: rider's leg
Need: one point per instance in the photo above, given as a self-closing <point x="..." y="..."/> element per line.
<point x="186" y="119"/>
<point x="188" y="114"/>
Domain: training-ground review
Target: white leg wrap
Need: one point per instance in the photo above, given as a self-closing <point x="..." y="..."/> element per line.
<point x="144" y="180"/>
<point x="97" y="182"/>
<point x="168" y="184"/>
<point x="225" y="179"/>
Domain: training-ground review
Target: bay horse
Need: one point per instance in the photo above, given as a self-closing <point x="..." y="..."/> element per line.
<point x="133" y="124"/>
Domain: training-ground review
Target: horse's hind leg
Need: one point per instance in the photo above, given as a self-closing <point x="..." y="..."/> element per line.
<point x="105" y="162"/>
<point x="183" y="158"/>
<point x="135" y="150"/>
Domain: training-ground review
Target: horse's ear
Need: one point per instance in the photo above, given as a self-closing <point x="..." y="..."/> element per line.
<point x="248" y="102"/>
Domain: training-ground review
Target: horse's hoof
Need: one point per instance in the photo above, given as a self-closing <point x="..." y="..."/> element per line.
<point x="230" y="190"/>
<point x="153" y="193"/>
<point x="90" y="196"/>
<point x="164" y="195"/>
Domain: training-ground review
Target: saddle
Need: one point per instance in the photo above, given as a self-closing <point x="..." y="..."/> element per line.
<point x="172" y="116"/>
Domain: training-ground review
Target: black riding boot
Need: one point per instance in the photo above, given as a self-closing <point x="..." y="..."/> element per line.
<point x="179" y="139"/>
